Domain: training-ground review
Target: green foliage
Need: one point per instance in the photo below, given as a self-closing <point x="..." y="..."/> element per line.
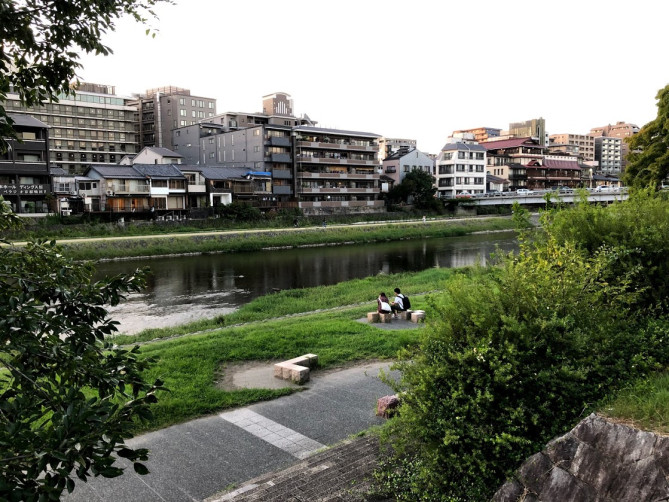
<point x="515" y="357"/>
<point x="42" y="41"/>
<point x="649" y="149"/>
<point x="417" y="187"/>
<point x="60" y="415"/>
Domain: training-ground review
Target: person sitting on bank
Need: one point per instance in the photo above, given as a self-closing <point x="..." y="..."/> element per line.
<point x="383" y="304"/>
<point x="398" y="303"/>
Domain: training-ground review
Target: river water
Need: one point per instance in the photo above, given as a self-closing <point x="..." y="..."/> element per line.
<point x="184" y="289"/>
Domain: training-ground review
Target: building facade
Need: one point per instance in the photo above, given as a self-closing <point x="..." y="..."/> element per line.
<point x="609" y="154"/>
<point x="389" y="146"/>
<point x="553" y="171"/>
<point x="579" y="145"/>
<point x="460" y="169"/>
<point x="480" y="134"/>
<point x="405" y="160"/>
<point x="160" y="110"/>
<point x="24" y="167"/>
<point x="620" y="130"/>
<point x="533" y="128"/>
<point x="508" y="159"/>
<point x="94" y="125"/>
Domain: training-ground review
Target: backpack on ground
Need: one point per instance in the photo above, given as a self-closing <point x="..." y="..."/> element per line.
<point x="406" y="303"/>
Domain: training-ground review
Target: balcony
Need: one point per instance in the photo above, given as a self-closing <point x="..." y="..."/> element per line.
<point x="279" y="157"/>
<point x="123" y="189"/>
<point x="344" y="203"/>
<point x="338" y="146"/>
<point x="197" y="188"/>
<point x="278" y="141"/>
<point x="344" y="190"/>
<point x="352" y="175"/>
<point x="282" y="174"/>
<point x="282" y="190"/>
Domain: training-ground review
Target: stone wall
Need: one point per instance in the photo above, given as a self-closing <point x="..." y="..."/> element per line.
<point x="596" y="461"/>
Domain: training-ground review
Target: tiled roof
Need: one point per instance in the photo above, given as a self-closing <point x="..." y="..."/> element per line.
<point x="126" y="172"/>
<point x="218" y="172"/>
<point x="509" y="143"/>
<point x="21" y="119"/>
<point x="561" y="164"/>
<point x="158" y="170"/>
<point x="460" y="146"/>
<point x="165" y="152"/>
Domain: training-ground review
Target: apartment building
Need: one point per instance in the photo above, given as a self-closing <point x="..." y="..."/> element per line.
<point x="609" y="154"/>
<point x="579" y="145"/>
<point x="620" y="130"/>
<point x="460" y="168"/>
<point x="94" y="125"/>
<point x="160" y="110"/>
<point x="24" y="166"/>
<point x="480" y="134"/>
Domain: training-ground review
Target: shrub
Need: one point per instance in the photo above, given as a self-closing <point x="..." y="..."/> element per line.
<point x="514" y="356"/>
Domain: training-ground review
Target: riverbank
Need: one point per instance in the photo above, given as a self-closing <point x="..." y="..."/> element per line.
<point x="254" y="240"/>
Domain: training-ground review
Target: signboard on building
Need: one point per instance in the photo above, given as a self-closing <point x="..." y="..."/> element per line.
<point x="12" y="189"/>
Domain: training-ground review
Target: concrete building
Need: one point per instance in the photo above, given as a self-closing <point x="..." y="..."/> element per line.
<point x="92" y="126"/>
<point x="24" y="167"/>
<point x="579" y="145"/>
<point x="460" y="169"/>
<point x="160" y="110"/>
<point x="480" y="134"/>
<point x="157" y="155"/>
<point x="609" y="154"/>
<point x="337" y="171"/>
<point x="534" y="128"/>
<point x="620" y="130"/>
<point x="389" y="146"/>
<point x="405" y="160"/>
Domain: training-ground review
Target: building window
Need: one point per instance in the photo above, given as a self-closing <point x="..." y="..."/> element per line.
<point x="461" y="155"/>
<point x="256" y="148"/>
<point x="200" y="103"/>
<point x="210" y="104"/>
<point x="182" y="101"/>
<point x="182" y="112"/>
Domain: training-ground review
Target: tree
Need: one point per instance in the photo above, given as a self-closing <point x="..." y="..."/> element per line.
<point x="41" y="42"/>
<point x="649" y="149"/>
<point x="68" y="398"/>
<point x="417" y="186"/>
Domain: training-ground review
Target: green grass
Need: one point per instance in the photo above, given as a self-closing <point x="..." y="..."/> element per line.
<point x="296" y="301"/>
<point x="645" y="404"/>
<point x="190" y="366"/>
<point x="256" y="240"/>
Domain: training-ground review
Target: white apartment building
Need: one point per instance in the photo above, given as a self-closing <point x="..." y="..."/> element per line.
<point x="609" y="153"/>
<point x="460" y="168"/>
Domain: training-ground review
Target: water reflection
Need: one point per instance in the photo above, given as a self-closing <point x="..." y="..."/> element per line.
<point x="188" y="288"/>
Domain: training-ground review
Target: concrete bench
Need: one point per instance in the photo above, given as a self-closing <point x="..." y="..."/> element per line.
<point x="378" y="317"/>
<point x="297" y="369"/>
<point x="417" y="316"/>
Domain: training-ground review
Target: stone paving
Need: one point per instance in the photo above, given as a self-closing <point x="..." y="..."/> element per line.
<point x="339" y="474"/>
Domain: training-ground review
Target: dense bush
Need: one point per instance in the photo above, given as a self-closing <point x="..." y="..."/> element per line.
<point x="515" y="356"/>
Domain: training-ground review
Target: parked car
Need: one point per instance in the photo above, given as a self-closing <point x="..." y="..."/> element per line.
<point x="463" y="195"/>
<point x="603" y="188"/>
<point x="524" y="191"/>
<point x="493" y="193"/>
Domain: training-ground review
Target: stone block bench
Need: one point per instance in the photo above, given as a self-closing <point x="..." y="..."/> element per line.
<point x="417" y="315"/>
<point x="297" y="369"/>
<point x="378" y="317"/>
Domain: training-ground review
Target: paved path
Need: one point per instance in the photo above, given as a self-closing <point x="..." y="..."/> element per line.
<point x="197" y="459"/>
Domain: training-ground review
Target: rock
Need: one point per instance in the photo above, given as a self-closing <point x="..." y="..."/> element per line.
<point x="386" y="405"/>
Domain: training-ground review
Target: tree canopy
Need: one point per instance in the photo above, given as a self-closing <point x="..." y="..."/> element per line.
<point x="416" y="187"/>
<point x="42" y="40"/>
<point x="649" y="149"/>
<point x="68" y="398"/>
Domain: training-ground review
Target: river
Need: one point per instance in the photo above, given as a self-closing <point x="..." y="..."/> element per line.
<point x="184" y="289"/>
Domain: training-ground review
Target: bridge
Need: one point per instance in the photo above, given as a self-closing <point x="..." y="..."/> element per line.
<point x="538" y="197"/>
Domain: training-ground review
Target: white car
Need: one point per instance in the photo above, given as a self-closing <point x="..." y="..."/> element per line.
<point x="603" y="188"/>
<point x="524" y="191"/>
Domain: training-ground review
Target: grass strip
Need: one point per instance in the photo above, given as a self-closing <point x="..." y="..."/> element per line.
<point x="644" y="404"/>
<point x="227" y="242"/>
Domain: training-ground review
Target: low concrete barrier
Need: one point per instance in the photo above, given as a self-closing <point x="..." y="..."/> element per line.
<point x="297" y="369"/>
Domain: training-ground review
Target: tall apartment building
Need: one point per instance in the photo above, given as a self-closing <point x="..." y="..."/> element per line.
<point x="24" y="167"/>
<point x="534" y="128"/>
<point x="609" y="154"/>
<point x="160" y="110"/>
<point x="480" y="133"/>
<point x="94" y="125"/>
<point x="579" y="145"/>
<point x="460" y="167"/>
<point x="620" y="130"/>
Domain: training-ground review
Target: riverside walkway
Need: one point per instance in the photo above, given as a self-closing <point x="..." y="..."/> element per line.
<point x="213" y="458"/>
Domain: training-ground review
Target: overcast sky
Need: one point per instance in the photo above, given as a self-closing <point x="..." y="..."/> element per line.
<point x="414" y="69"/>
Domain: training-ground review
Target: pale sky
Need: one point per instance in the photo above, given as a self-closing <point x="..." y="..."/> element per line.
<point x="411" y="69"/>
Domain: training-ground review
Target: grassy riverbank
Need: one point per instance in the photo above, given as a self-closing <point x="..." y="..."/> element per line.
<point x="298" y="301"/>
<point x="255" y="240"/>
<point x="192" y="365"/>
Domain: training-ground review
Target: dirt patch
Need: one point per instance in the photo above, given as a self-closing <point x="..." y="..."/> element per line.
<point x="260" y="375"/>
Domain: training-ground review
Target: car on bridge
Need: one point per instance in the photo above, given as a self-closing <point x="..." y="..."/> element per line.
<point x="524" y="191"/>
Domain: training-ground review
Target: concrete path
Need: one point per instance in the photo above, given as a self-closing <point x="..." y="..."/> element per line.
<point x="197" y="459"/>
